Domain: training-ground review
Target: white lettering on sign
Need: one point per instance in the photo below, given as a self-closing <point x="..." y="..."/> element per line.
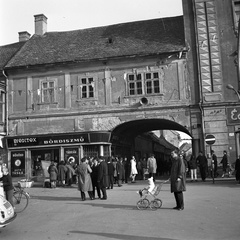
<point x="24" y="140"/>
<point x="234" y="115"/>
<point x="59" y="141"/>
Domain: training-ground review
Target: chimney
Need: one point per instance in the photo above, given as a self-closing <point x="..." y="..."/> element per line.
<point x="40" y="24"/>
<point x="23" y="36"/>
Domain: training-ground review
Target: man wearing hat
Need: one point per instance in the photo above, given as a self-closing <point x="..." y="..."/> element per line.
<point x="103" y="177"/>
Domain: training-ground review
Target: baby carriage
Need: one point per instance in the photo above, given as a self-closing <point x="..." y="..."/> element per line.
<point x="144" y="202"/>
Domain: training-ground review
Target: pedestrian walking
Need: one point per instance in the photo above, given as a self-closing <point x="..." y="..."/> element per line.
<point x="224" y="162"/>
<point x="178" y="179"/>
<point x="7" y="184"/>
<point x="214" y="163"/>
<point x="103" y="177"/>
<point x="152" y="166"/>
<point x="144" y="168"/>
<point x="193" y="168"/>
<point x="126" y="167"/>
<point x="203" y="164"/>
<point x="119" y="169"/>
<point x="237" y="170"/>
<point x="62" y="170"/>
<point x="84" y="179"/>
<point x="110" y="173"/>
<point x="134" y="171"/>
<point x="94" y="177"/>
<point x="53" y="174"/>
<point x="69" y="174"/>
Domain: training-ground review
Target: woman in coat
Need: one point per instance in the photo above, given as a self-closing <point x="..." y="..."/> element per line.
<point x="84" y="179"/>
<point x="178" y="179"/>
<point x="134" y="171"/>
<point x="53" y="173"/>
<point x="62" y="170"/>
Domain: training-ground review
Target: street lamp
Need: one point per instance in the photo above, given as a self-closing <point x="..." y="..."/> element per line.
<point x="229" y="86"/>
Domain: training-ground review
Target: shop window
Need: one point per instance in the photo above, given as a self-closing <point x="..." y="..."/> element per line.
<point x="2" y="106"/>
<point x="149" y="83"/>
<point x="90" y="151"/>
<point x="86" y="87"/>
<point x="48" y="90"/>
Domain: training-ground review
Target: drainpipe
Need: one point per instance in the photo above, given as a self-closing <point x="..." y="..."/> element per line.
<point x="6" y="102"/>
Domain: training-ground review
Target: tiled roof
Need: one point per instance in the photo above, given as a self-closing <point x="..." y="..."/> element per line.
<point x="147" y="37"/>
<point x="7" y="52"/>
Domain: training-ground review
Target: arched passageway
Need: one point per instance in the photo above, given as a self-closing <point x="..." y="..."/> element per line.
<point x="136" y="138"/>
<point x="134" y="128"/>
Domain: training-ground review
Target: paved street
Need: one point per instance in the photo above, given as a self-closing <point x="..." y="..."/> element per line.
<point x="211" y="212"/>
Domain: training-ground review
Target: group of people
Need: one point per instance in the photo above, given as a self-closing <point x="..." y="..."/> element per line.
<point x="63" y="173"/>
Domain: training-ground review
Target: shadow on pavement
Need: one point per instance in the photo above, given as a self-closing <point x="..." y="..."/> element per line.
<point x="120" y="236"/>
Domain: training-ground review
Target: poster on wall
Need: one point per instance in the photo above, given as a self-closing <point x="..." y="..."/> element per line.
<point x="18" y="164"/>
<point x="71" y="155"/>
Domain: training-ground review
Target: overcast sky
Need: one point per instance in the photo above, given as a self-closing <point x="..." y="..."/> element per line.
<point x="66" y="15"/>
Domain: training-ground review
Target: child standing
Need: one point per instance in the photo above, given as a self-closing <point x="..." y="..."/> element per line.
<point x="7" y="184"/>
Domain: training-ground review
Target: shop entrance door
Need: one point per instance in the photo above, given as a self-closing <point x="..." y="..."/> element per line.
<point x="37" y="156"/>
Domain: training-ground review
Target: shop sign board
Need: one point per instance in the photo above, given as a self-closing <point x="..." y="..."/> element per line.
<point x="18" y="164"/>
<point x="47" y="140"/>
<point x="233" y="115"/>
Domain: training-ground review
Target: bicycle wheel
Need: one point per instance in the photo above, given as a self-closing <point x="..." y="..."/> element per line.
<point x="155" y="204"/>
<point x="20" y="201"/>
<point x="142" y="204"/>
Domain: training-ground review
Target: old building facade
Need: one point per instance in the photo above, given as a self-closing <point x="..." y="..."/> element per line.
<point x="92" y="91"/>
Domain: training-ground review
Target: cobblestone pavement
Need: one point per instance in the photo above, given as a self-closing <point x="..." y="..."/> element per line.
<point x="211" y="212"/>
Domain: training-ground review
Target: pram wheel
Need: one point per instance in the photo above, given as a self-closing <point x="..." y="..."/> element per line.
<point x="143" y="204"/>
<point x="155" y="204"/>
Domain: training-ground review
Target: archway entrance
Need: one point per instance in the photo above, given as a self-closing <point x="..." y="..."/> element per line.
<point x="143" y="137"/>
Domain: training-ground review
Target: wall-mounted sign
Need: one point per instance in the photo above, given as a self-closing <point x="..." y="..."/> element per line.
<point x="18" y="164"/>
<point x="58" y="139"/>
<point x="47" y="140"/>
<point x="71" y="155"/>
<point x="233" y="115"/>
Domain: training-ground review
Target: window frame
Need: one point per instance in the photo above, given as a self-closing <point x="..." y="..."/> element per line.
<point x="54" y="88"/>
<point x="88" y="84"/>
<point x="139" y="84"/>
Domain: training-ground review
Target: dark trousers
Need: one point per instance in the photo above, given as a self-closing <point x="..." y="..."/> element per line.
<point x="104" y="192"/>
<point x="110" y="181"/>
<point x="9" y="196"/>
<point x="203" y="172"/>
<point x="95" y="185"/>
<point x="152" y="175"/>
<point x="179" y="199"/>
<point x="83" y="196"/>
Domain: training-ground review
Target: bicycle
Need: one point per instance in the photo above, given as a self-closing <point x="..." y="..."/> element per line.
<point x="20" y="199"/>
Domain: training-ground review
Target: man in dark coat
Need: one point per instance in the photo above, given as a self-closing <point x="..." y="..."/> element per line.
<point x="178" y="179"/>
<point x="215" y="163"/>
<point x="224" y="163"/>
<point x="203" y="164"/>
<point x="237" y="170"/>
<point x="110" y="173"/>
<point x="103" y="177"/>
<point x="94" y="176"/>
